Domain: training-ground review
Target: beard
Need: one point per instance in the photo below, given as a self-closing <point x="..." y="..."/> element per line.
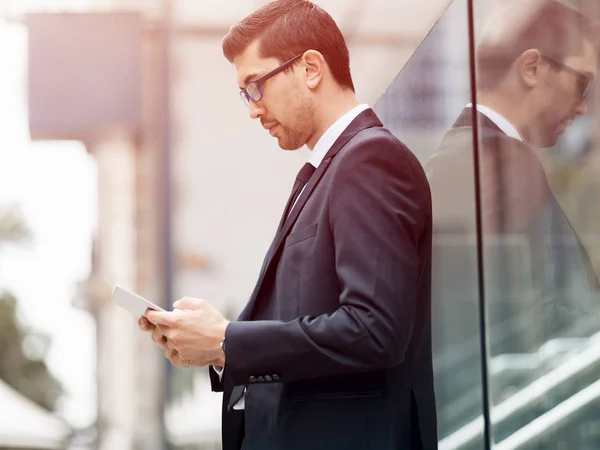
<point x="292" y="139"/>
<point x="300" y="127"/>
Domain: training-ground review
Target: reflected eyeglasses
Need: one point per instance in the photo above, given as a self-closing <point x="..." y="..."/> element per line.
<point x="584" y="81"/>
<point x="253" y="90"/>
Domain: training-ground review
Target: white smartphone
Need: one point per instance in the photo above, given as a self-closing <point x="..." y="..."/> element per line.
<point x="132" y="302"/>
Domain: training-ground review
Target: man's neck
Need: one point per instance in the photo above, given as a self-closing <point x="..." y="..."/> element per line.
<point x="329" y="113"/>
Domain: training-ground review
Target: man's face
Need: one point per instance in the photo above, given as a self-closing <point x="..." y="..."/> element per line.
<point x="560" y="99"/>
<point x="285" y="109"/>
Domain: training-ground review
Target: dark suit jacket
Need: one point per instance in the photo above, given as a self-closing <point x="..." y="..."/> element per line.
<point x="335" y="343"/>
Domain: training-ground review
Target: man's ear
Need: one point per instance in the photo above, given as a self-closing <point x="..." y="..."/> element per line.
<point x="529" y="67"/>
<point x="314" y="66"/>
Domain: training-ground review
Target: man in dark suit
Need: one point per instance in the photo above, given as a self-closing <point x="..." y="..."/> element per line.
<point x="535" y="65"/>
<point x="333" y="349"/>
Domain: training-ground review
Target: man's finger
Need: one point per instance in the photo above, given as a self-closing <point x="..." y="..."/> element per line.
<point x="188" y="303"/>
<point x="159" y="317"/>
<point x="170" y="352"/>
<point x="145" y="325"/>
<point x="159" y="338"/>
<point x="172" y="355"/>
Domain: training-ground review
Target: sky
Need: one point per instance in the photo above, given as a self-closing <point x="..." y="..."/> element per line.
<point x="54" y="186"/>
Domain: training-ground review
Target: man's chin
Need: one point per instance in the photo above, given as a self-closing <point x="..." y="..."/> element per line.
<point x="551" y="139"/>
<point x="547" y="141"/>
<point x="288" y="146"/>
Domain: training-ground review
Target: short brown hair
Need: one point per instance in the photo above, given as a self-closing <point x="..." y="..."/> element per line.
<point x="552" y="28"/>
<point x="287" y="28"/>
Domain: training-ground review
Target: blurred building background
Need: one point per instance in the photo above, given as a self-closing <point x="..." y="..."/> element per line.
<point x="188" y="191"/>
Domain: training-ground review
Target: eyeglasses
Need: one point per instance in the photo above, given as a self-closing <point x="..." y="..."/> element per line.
<point x="584" y="81"/>
<point x="253" y="90"/>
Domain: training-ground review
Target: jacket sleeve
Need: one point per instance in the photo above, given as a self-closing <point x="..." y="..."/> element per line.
<point x="379" y="206"/>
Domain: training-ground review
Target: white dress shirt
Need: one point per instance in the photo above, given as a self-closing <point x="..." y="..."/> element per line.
<point x="321" y="148"/>
<point x="499" y="120"/>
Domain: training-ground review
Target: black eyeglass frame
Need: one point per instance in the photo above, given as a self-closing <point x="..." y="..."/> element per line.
<point x="245" y="95"/>
<point x="589" y="81"/>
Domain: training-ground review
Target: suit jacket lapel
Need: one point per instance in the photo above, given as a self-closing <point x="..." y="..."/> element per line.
<point x="366" y="119"/>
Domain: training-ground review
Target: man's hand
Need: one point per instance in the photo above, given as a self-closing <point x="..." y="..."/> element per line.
<point x="158" y="338"/>
<point x="191" y="335"/>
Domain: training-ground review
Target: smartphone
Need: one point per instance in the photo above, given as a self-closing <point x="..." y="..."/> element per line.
<point x="132" y="302"/>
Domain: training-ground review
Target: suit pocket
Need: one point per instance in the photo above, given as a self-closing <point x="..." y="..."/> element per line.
<point x="354" y="386"/>
<point x="336" y="396"/>
<point x="302" y="235"/>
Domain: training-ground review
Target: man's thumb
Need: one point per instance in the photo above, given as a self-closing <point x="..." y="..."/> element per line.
<point x="188" y="303"/>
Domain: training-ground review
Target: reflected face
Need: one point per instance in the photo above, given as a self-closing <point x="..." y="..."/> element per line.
<point x="285" y="109"/>
<point x="560" y="95"/>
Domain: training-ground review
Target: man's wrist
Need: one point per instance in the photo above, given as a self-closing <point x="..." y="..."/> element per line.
<point x="221" y="361"/>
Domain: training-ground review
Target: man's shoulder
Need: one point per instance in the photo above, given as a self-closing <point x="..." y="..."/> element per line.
<point x="378" y="134"/>
<point x="377" y="151"/>
<point x="379" y="143"/>
<point x="459" y="142"/>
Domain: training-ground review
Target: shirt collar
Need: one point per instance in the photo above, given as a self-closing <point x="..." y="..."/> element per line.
<point x="333" y="133"/>
<point x="500" y="121"/>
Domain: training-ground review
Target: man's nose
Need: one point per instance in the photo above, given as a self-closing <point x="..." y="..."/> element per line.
<point x="255" y="110"/>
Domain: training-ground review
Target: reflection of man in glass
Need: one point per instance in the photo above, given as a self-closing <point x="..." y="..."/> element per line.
<point x="537" y="76"/>
<point x="535" y="65"/>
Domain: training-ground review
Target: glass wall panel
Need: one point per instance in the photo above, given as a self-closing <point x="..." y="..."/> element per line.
<point x="536" y="62"/>
<point x="425" y="108"/>
<point x="533" y="209"/>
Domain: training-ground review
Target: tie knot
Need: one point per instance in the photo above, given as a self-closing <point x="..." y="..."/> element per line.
<point x="305" y="173"/>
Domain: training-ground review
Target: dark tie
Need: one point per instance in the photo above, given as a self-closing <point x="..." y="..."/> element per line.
<point x="301" y="179"/>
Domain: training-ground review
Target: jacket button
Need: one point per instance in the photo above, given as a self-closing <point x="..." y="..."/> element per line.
<point x="252" y="379"/>
<point x="261" y="379"/>
<point x="268" y="378"/>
